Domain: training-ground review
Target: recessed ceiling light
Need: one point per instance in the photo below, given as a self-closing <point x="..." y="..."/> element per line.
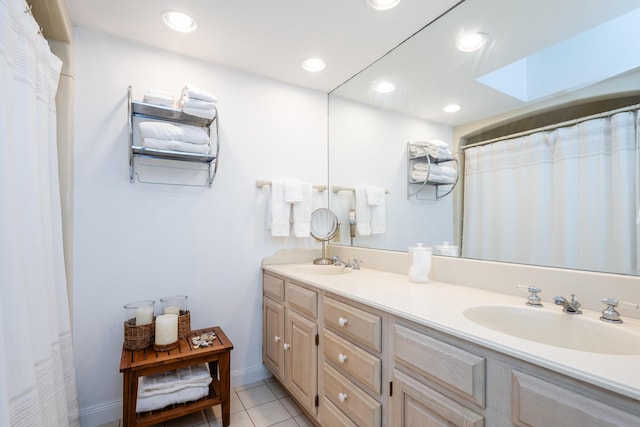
<point x="452" y="108"/>
<point x="314" y="64"/>
<point x="179" y="21"/>
<point x="383" y="4"/>
<point x="472" y="42"/>
<point x="385" y="87"/>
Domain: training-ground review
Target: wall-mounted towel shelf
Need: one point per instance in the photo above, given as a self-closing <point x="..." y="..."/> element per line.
<point x="141" y="111"/>
<point x="415" y="187"/>
<point x="265" y="182"/>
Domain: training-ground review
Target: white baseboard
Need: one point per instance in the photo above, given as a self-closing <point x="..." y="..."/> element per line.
<point x="97" y="415"/>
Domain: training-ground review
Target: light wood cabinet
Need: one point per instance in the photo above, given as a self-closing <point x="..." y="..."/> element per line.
<point x="290" y="338"/>
<point x="372" y="368"/>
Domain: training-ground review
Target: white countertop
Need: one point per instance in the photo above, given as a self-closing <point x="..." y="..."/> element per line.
<point x="440" y="306"/>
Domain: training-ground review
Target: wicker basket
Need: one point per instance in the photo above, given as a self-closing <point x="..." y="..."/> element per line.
<point x="138" y="337"/>
<point x="184" y="324"/>
<point x="166" y="347"/>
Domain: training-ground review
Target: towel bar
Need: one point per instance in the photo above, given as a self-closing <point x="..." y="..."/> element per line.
<point x="265" y="182"/>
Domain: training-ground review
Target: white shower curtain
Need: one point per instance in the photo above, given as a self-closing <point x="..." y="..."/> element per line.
<point x="566" y="197"/>
<point x="37" y="376"/>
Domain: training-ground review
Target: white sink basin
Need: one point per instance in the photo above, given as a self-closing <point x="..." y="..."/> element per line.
<point x="325" y="270"/>
<point x="557" y="329"/>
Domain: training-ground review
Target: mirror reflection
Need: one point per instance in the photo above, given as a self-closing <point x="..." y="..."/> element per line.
<point x="544" y="140"/>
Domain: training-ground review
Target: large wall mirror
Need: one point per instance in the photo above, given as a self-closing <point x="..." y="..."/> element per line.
<point x="547" y="69"/>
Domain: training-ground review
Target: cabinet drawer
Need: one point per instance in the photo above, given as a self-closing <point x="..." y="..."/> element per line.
<point x="273" y="286"/>
<point x="454" y="368"/>
<point x="334" y="417"/>
<point x="537" y="403"/>
<point x="362" y="365"/>
<point x="302" y="300"/>
<point x="354" y="323"/>
<point x="356" y="404"/>
<point x="415" y="404"/>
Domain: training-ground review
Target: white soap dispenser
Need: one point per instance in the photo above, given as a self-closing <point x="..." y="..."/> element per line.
<point x="419" y="263"/>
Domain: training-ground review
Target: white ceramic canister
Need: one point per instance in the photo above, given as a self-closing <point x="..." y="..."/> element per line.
<point x="419" y="263"/>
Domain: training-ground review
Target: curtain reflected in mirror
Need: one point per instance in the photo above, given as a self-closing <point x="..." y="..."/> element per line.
<point x="566" y="195"/>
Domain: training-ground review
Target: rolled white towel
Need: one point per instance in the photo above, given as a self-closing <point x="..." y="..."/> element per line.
<point x="197" y="103"/>
<point x="192" y="92"/>
<point x="169" y="131"/>
<point x="172" y="145"/>
<point x="204" y="113"/>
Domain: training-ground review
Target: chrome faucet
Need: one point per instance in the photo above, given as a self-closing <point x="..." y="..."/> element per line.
<point x="337" y="261"/>
<point x="571" y="307"/>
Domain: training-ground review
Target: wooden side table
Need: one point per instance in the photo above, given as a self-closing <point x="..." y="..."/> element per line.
<point x="138" y="363"/>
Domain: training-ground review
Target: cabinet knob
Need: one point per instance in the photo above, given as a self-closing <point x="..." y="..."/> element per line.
<point x="276" y="338"/>
<point x="342" y="321"/>
<point x="342" y="397"/>
<point x="286" y="346"/>
<point x="342" y="357"/>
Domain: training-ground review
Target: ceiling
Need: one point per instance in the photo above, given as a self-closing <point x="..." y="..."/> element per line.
<point x="268" y="38"/>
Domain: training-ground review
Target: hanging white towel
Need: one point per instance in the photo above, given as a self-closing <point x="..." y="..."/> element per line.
<point x="292" y="190"/>
<point x="377" y="205"/>
<point x="302" y="211"/>
<point x="279" y="209"/>
<point x="363" y="212"/>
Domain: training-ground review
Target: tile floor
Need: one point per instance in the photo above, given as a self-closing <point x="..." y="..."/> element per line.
<point x="259" y="404"/>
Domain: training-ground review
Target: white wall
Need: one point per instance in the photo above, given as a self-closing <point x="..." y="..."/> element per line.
<point x="141" y="241"/>
<point x="368" y="146"/>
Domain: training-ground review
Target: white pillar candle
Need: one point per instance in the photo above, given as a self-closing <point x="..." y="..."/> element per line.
<point x="166" y="329"/>
<point x="144" y="315"/>
<point x="172" y="310"/>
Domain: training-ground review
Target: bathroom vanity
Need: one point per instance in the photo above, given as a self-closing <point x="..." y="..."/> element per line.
<point x="369" y="348"/>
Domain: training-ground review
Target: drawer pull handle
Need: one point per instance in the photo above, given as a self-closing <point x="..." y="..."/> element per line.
<point x="342" y="397"/>
<point x="276" y="338"/>
<point x="342" y="358"/>
<point x="342" y="321"/>
<point x="286" y="346"/>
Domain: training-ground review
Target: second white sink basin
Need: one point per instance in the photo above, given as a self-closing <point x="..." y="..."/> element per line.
<point x="323" y="269"/>
<point x="557" y="329"/>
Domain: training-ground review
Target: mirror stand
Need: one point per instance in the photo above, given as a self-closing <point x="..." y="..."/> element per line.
<point x="324" y="260"/>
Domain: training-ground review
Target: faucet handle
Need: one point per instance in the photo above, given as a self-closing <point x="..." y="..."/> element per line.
<point x="356" y="264"/>
<point x="533" y="300"/>
<point x="610" y="314"/>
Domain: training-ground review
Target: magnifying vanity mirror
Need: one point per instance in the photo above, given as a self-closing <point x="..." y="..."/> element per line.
<point x="543" y="63"/>
<point x="324" y="226"/>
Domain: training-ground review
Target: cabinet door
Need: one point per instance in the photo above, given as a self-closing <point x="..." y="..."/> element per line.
<point x="273" y="337"/>
<point x="416" y="405"/>
<point x="301" y="359"/>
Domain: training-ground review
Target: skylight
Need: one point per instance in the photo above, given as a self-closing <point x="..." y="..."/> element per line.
<point x="559" y="68"/>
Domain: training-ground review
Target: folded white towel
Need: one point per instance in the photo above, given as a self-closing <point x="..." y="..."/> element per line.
<point x="159" y="97"/>
<point x="177" y="379"/>
<point x="205" y="113"/>
<point x="192" y="92"/>
<point x="172" y="145"/>
<point x="375" y="195"/>
<point x="197" y="103"/>
<point x="302" y="211"/>
<point x="292" y="190"/>
<point x="164" y="130"/>
<point x="279" y="210"/>
<point x="432" y="177"/>
<point x="363" y="212"/>
<point x="189" y="394"/>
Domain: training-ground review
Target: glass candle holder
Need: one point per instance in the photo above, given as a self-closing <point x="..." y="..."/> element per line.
<point x="140" y="311"/>
<point x="176" y="304"/>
